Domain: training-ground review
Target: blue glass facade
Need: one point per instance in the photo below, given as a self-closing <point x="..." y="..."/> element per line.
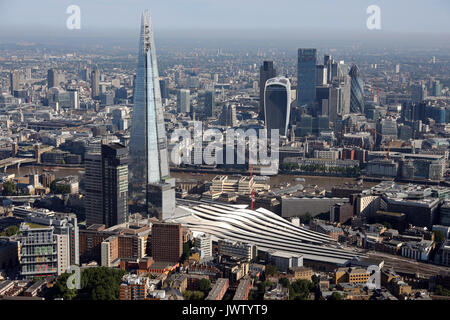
<point x="306" y="76"/>
<point x="356" y="91"/>
<point x="277" y="104"/>
<point x="148" y="145"/>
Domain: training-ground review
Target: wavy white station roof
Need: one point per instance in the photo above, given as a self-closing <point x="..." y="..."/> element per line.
<point x="261" y="227"/>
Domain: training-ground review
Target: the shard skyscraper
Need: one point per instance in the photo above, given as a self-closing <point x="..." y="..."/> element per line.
<point x="148" y="145"/>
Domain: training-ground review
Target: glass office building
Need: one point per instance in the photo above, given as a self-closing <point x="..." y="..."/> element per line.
<point x="356" y="91"/>
<point x="148" y="146"/>
<point x="277" y="104"/>
<point x="306" y="75"/>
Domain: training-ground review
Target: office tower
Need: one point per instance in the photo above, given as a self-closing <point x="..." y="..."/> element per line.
<point x="326" y="60"/>
<point x="334" y="104"/>
<point x="106" y="185"/>
<point x="277" y="104"/>
<point x="419" y="93"/>
<point x="115" y="184"/>
<point x="356" y="91"/>
<point x="93" y="199"/>
<point x="436" y="113"/>
<point x="323" y="99"/>
<point x="228" y="116"/>
<point x="321" y="75"/>
<point x="164" y="85"/>
<point x="306" y="77"/>
<point x="184" y="101"/>
<point x="14" y="81"/>
<point x="209" y="103"/>
<point x="436" y="88"/>
<point x="397" y="68"/>
<point x="266" y="72"/>
<point x="342" y="69"/>
<point x="85" y="74"/>
<point x="148" y="145"/>
<point x="74" y="100"/>
<point x="344" y="82"/>
<point x="52" y="78"/>
<point x="328" y="63"/>
<point x="167" y="242"/>
<point x="95" y="83"/>
<point x="346" y="94"/>
<point x="414" y="112"/>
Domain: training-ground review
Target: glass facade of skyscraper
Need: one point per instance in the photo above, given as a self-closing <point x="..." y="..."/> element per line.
<point x="148" y="145"/>
<point x="306" y="76"/>
<point x="277" y="104"/>
<point x="356" y="91"/>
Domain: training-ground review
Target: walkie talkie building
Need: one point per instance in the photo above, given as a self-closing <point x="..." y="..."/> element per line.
<point x="277" y="104"/>
<point x="148" y="146"/>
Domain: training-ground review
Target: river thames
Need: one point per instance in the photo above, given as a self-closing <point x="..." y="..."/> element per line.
<point x="321" y="181"/>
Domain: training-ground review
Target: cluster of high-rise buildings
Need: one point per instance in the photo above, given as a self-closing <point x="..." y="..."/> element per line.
<point x="116" y="126"/>
<point x="324" y="93"/>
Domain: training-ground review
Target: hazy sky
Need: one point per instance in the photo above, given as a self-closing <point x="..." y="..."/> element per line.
<point x="21" y="18"/>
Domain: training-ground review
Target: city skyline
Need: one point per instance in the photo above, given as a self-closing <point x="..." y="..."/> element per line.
<point x="293" y="164"/>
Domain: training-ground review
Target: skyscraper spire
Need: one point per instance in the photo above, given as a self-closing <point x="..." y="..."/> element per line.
<point x="148" y="145"/>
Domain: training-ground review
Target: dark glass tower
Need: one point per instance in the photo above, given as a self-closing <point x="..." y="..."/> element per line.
<point x="356" y="91"/>
<point x="148" y="145"/>
<point x="115" y="184"/>
<point x="106" y="185"/>
<point x="277" y="104"/>
<point x="266" y="72"/>
<point x="52" y="78"/>
<point x="306" y="77"/>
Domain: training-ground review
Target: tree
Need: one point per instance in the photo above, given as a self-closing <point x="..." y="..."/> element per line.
<point x="301" y="289"/>
<point x="60" y="289"/>
<point x="315" y="279"/>
<point x="9" y="188"/>
<point x="336" y="296"/>
<point x="12" y="230"/>
<point x="59" y="189"/>
<point x="186" y="251"/>
<point x="284" y="282"/>
<point x="205" y="285"/>
<point x="101" y="283"/>
<point x="262" y="286"/>
<point x="193" y="295"/>
<point x="271" y="270"/>
<point x="438" y="236"/>
<point x="441" y="291"/>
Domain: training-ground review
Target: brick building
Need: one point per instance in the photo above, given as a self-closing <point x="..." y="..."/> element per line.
<point x="167" y="242"/>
